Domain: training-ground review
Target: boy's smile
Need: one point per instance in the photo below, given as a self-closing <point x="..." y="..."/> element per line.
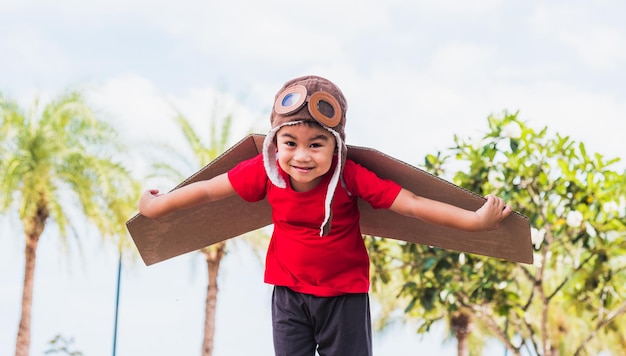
<point x="305" y="153"/>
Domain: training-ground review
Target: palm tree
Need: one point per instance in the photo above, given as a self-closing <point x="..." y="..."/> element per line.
<point x="53" y="160"/>
<point x="202" y="155"/>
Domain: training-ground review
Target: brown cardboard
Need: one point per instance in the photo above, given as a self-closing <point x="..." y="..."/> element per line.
<point x="193" y="229"/>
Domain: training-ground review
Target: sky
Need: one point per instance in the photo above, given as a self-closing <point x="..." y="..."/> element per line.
<point x="415" y="73"/>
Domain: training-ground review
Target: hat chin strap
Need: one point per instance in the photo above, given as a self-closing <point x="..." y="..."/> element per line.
<point x="271" y="168"/>
<point x="332" y="185"/>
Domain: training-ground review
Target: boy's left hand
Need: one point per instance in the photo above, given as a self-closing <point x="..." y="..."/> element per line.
<point x="492" y="212"/>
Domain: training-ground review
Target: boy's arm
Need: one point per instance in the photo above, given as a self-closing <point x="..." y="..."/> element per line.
<point x="154" y="205"/>
<point x="486" y="217"/>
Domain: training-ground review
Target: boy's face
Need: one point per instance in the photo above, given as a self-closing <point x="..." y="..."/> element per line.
<point x="305" y="153"/>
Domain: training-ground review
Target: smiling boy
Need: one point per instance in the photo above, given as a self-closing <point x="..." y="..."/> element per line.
<point x="317" y="260"/>
<point x="306" y="154"/>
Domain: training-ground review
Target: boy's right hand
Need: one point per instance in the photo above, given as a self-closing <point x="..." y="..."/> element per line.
<point x="145" y="202"/>
<point x="154" y="205"/>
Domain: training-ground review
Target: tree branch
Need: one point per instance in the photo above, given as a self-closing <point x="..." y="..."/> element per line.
<point x="569" y="278"/>
<point x="492" y="325"/>
<point x="602" y="323"/>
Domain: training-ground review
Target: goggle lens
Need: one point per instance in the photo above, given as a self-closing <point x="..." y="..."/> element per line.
<point x="290" y="99"/>
<point x="325" y="108"/>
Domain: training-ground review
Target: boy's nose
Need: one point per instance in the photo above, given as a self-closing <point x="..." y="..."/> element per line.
<point x="302" y="155"/>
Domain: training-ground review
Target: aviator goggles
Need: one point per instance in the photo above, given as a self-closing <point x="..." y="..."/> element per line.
<point x="321" y="105"/>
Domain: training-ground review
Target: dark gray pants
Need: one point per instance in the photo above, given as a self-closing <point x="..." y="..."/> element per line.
<point x="335" y="326"/>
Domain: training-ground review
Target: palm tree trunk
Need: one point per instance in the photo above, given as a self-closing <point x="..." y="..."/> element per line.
<point x="461" y="323"/>
<point x="22" y="344"/>
<point x="214" y="255"/>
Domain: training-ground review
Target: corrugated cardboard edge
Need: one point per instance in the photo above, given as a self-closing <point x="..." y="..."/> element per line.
<point x="193" y="229"/>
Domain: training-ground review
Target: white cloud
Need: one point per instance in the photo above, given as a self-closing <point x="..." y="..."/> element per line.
<point x="147" y="112"/>
<point x="136" y="103"/>
<point x="204" y="105"/>
<point x="587" y="29"/>
<point x="145" y="115"/>
<point x="25" y="51"/>
<point x="588" y="116"/>
<point x="461" y="62"/>
<point x="276" y="32"/>
<point x="599" y="46"/>
<point x="465" y="8"/>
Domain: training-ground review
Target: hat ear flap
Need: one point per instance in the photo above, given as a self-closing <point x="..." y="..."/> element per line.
<point x="269" y="155"/>
<point x="269" y="159"/>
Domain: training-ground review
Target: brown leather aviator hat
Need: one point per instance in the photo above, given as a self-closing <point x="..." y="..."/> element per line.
<point x="309" y="98"/>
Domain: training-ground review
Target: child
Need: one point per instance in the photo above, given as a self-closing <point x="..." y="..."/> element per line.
<point x="317" y="260"/>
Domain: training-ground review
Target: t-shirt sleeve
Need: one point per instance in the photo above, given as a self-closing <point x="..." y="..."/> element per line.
<point x="360" y="181"/>
<point x="249" y="179"/>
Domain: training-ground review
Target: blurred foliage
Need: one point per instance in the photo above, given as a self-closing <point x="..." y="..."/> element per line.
<point x="572" y="300"/>
<point x="61" y="346"/>
<point x="63" y="159"/>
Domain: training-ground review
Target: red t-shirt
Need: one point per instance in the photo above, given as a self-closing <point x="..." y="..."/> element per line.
<point x="297" y="257"/>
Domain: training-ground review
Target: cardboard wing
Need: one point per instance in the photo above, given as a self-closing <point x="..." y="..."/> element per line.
<point x="198" y="227"/>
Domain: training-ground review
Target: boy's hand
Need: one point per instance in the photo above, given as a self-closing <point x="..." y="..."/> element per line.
<point x="492" y="212"/>
<point x="145" y="202"/>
